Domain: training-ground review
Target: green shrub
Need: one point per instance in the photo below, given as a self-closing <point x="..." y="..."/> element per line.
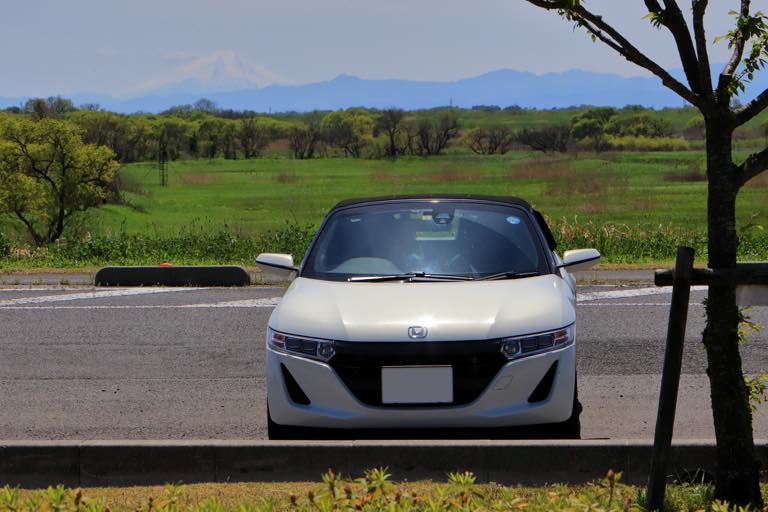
<point x="643" y="143"/>
<point x="618" y="243"/>
<point x="5" y="246"/>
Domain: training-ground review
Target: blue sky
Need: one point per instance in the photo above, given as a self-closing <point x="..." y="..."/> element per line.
<point x="122" y="47"/>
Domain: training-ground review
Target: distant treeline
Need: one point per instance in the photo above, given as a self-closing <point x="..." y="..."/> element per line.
<point x="202" y="130"/>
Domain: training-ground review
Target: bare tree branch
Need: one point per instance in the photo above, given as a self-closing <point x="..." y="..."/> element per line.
<point x="705" y="72"/>
<point x="754" y="165"/>
<point x="672" y="18"/>
<point x="738" y="52"/>
<point x="610" y="36"/>
<point x="752" y="109"/>
<point x="30" y="227"/>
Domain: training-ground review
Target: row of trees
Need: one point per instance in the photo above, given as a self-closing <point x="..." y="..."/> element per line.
<point x="595" y="128"/>
<point x="200" y="133"/>
<point x="202" y="130"/>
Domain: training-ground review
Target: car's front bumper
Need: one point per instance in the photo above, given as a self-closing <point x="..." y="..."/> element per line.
<point x="504" y="402"/>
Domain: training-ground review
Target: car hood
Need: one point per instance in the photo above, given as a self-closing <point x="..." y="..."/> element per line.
<point x="449" y="310"/>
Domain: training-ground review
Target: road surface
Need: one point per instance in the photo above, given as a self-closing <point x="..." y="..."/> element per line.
<point x="173" y="363"/>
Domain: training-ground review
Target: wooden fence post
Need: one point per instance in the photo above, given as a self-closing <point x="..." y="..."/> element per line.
<point x="670" y="379"/>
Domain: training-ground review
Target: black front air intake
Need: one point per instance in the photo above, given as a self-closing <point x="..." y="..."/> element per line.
<point x="475" y="364"/>
<point x="295" y="392"/>
<point x="544" y="388"/>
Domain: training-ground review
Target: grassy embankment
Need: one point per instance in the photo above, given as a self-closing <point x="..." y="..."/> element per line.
<point x="373" y="492"/>
<point x="634" y="207"/>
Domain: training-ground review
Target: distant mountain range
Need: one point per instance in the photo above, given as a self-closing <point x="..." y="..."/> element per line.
<point x="234" y="83"/>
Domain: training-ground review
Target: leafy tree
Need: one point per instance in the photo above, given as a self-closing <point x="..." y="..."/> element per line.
<point x="639" y="125"/>
<point x="40" y="108"/>
<point x="170" y="136"/>
<point x="205" y="105"/>
<point x="591" y="125"/>
<point x="490" y="141"/>
<point x="90" y="107"/>
<point x="350" y="130"/>
<point x="229" y="140"/>
<point x="47" y="174"/>
<point x="390" y="123"/>
<point x="547" y="139"/>
<point x="737" y="476"/>
<point x="434" y="133"/>
<point x="304" y="139"/>
<point x="254" y="135"/>
<point x="209" y="137"/>
<point x="60" y="106"/>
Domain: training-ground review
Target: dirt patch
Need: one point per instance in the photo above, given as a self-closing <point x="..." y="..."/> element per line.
<point x="588" y="184"/>
<point x="645" y="203"/>
<point x="685" y="177"/>
<point x="383" y="176"/>
<point x="199" y="178"/>
<point x="450" y="176"/>
<point x="541" y="168"/>
<point x="596" y="205"/>
<point x="287" y="177"/>
<point x="447" y="175"/>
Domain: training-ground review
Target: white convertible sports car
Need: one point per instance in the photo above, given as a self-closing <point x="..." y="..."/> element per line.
<point x="425" y="312"/>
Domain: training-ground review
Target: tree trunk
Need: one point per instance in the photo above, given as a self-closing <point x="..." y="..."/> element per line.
<point x="737" y="478"/>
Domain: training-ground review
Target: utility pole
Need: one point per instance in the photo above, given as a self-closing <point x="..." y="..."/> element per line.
<point x="162" y="166"/>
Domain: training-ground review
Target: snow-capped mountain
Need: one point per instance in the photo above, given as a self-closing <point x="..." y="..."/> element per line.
<point x="220" y="71"/>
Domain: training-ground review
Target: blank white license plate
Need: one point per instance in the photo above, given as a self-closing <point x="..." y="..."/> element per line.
<point x="416" y="384"/>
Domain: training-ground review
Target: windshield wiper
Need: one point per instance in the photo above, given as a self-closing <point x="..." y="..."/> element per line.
<point x="508" y="275"/>
<point x="409" y="276"/>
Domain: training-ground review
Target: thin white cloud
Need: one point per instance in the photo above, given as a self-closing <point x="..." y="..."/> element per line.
<point x="180" y="55"/>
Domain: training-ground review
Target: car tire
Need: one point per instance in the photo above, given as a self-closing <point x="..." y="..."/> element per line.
<point x="275" y="431"/>
<point x="570" y="428"/>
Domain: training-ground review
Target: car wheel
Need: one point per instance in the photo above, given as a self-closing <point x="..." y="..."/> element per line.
<point x="277" y="431"/>
<point x="570" y="428"/>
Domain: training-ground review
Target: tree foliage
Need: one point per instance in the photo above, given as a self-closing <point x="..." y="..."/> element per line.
<point x="47" y="174"/>
<point x="737" y="477"/>
<point x="547" y="139"/>
<point x="350" y="130"/>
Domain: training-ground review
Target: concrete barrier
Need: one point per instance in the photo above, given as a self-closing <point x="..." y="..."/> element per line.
<point x="173" y="276"/>
<point x="117" y="463"/>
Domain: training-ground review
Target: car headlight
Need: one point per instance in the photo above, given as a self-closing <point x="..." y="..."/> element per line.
<point x="522" y="346"/>
<point x="312" y="348"/>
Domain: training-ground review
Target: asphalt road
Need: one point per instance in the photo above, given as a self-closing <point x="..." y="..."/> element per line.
<point x="160" y="363"/>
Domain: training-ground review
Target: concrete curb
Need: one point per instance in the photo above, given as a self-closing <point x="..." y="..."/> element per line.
<point x="173" y="276"/>
<point x="116" y="463"/>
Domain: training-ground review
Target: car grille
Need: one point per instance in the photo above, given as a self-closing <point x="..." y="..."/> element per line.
<point x="475" y="364"/>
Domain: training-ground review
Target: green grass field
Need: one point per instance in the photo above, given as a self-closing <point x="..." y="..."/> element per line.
<point x="251" y="196"/>
<point x="633" y="207"/>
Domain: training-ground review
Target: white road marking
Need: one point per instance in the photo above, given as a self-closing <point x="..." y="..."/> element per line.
<point x="248" y="303"/>
<point x="634" y="304"/>
<point x="633" y="292"/>
<point x="584" y="299"/>
<point x="100" y="294"/>
<point x="252" y="303"/>
<point x="35" y="288"/>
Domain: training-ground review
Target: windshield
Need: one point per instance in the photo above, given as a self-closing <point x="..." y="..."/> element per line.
<point x="423" y="238"/>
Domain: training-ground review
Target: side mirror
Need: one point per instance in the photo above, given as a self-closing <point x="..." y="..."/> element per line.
<point x="580" y="259"/>
<point x="277" y="265"/>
